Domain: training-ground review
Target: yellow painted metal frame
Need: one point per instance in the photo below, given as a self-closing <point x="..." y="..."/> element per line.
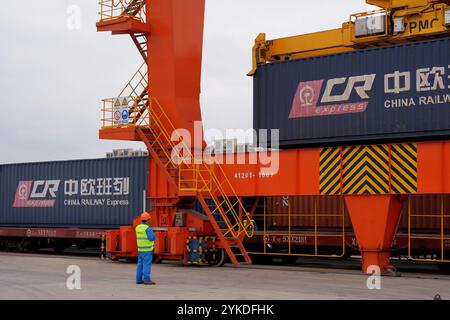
<point x="209" y="179"/>
<point x="113" y="9"/>
<point x="344" y="40"/>
<point x="193" y="176"/>
<point x="442" y="237"/>
<point x="137" y="91"/>
<point x="316" y="234"/>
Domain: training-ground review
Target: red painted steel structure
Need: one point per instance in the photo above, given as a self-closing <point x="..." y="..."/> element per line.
<point x="375" y="217"/>
<point x="175" y="36"/>
<point x="175" y="32"/>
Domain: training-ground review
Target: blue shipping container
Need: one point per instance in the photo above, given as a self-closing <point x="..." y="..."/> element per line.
<point x="381" y="94"/>
<point x="100" y="193"/>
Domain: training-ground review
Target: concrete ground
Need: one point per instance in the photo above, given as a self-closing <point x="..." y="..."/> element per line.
<point x="26" y="276"/>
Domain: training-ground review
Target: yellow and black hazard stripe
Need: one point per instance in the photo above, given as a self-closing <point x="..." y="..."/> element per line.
<point x="404" y="168"/>
<point x="330" y="171"/>
<point x="366" y="170"/>
<point x="377" y="169"/>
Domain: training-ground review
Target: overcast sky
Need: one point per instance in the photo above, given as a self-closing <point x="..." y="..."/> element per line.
<point x="52" y="79"/>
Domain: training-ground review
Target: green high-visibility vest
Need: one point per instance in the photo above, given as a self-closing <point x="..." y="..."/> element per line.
<point x="246" y="221"/>
<point x="144" y="245"/>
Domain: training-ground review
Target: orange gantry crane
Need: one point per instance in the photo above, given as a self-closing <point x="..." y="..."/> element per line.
<point x="169" y="36"/>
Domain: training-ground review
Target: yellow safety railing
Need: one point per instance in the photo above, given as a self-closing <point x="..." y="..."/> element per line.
<point x="193" y="175"/>
<point x="113" y="112"/>
<point x="138" y="83"/>
<point x="204" y="178"/>
<point x="443" y="237"/>
<point x="194" y="179"/>
<point x="136" y="93"/>
<point x="113" y="9"/>
<point x="359" y="15"/>
<point x="294" y="238"/>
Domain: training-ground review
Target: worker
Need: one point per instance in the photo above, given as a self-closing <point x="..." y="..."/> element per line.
<point x="145" y="241"/>
<point x="255" y="227"/>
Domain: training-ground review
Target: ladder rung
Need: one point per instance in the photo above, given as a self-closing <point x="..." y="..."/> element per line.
<point x="241" y="254"/>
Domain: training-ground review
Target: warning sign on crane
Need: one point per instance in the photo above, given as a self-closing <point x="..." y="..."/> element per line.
<point x="121" y="110"/>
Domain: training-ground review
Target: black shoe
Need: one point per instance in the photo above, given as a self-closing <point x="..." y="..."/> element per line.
<point x="140" y="282"/>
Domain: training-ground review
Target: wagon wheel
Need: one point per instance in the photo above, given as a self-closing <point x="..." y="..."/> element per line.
<point x="222" y="258"/>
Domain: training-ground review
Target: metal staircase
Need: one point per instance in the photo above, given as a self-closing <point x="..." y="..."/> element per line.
<point x="232" y="242"/>
<point x="207" y="182"/>
<point x="141" y="40"/>
<point x="136" y="91"/>
<point x="190" y="177"/>
<point x="133" y="8"/>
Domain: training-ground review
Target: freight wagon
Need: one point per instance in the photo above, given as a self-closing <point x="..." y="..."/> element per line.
<point x="58" y="204"/>
<point x="373" y="95"/>
<point x="321" y="226"/>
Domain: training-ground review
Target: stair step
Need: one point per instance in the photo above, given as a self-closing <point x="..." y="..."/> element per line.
<point x="134" y="6"/>
<point x="133" y="10"/>
<point x="232" y="239"/>
<point x="241" y="255"/>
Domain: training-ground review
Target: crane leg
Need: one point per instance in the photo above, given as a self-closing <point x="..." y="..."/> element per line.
<point x="375" y="220"/>
<point x="175" y="58"/>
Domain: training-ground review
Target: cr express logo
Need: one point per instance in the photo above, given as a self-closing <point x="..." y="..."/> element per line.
<point x="334" y="100"/>
<point x="37" y="194"/>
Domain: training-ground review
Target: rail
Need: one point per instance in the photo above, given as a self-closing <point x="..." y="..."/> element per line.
<point x="123" y="112"/>
<point x="133" y="98"/>
<point x="114" y="9"/>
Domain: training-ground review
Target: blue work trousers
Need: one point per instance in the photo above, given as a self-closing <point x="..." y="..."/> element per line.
<point x="144" y="267"/>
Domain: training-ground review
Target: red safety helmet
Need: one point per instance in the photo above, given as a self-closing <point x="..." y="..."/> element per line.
<point x="145" y="216"/>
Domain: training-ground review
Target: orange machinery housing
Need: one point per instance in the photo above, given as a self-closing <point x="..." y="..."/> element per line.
<point x="169" y="36"/>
